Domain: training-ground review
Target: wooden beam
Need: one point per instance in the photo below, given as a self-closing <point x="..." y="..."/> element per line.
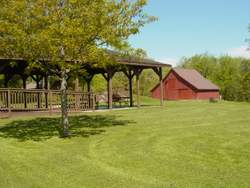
<point x="161" y="86"/>
<point x="89" y="89"/>
<point x="138" y="102"/>
<point x="46" y="87"/>
<point x="9" y="102"/>
<point x="138" y="71"/>
<point x="158" y="71"/>
<point x="77" y="84"/>
<point x="77" y="96"/>
<point x="24" y="82"/>
<point x="46" y="82"/>
<point x="130" y="79"/>
<point x="50" y="102"/>
<point x="24" y="78"/>
<point x="37" y="79"/>
<point x="110" y="93"/>
<point x="88" y="79"/>
<point x="7" y="78"/>
<point x="130" y="73"/>
<point x="88" y="86"/>
<point x="105" y="76"/>
<point x="108" y="75"/>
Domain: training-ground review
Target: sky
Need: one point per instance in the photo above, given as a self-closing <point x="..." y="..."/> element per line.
<point x="188" y="27"/>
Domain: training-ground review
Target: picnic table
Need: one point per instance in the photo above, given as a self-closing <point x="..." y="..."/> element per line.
<point x="117" y="98"/>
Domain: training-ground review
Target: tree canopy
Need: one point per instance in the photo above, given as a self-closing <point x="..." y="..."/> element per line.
<point x="61" y="35"/>
<point x="68" y="29"/>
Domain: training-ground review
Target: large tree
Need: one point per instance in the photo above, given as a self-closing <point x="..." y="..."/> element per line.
<point x="61" y="35"/>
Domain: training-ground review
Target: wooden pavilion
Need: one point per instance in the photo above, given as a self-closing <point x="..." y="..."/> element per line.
<point x="46" y="99"/>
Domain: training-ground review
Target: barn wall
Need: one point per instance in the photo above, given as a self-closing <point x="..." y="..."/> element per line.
<point x="156" y="93"/>
<point x="177" y="89"/>
<point x="208" y="95"/>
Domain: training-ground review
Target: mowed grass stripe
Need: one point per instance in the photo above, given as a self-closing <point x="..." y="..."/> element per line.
<point x="184" y="144"/>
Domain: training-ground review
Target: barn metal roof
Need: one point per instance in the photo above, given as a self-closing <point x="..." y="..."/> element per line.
<point x="194" y="78"/>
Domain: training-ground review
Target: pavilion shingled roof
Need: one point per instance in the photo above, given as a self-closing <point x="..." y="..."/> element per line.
<point x="133" y="61"/>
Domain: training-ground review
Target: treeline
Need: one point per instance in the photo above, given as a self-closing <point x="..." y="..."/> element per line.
<point x="231" y="74"/>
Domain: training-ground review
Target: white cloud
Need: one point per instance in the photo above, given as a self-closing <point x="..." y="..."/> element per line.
<point x="239" y="52"/>
<point x="170" y="61"/>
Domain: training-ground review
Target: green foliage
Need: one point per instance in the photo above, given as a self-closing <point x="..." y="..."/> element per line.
<point x="148" y="80"/>
<point x="245" y="87"/>
<point x="230" y="74"/>
<point x="68" y="29"/>
<point x="205" y="64"/>
<point x="59" y="36"/>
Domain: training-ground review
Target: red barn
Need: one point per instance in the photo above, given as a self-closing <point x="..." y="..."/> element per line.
<point x="186" y="84"/>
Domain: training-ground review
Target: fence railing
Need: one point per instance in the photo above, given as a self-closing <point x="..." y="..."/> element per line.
<point x="44" y="100"/>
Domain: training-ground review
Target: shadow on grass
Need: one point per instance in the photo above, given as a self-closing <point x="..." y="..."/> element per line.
<point x="40" y="129"/>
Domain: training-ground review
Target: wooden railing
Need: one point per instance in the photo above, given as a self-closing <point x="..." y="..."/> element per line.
<point x="43" y="100"/>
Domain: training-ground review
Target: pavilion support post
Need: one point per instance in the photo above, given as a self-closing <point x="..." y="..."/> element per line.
<point x="37" y="84"/>
<point x="108" y="77"/>
<point x="110" y="90"/>
<point x="131" y="102"/>
<point x="9" y="102"/>
<point x="46" y="82"/>
<point x="24" y="78"/>
<point x="138" y="102"/>
<point x="38" y="93"/>
<point x="7" y="78"/>
<point x="89" y="90"/>
<point x="46" y="87"/>
<point x="161" y="86"/>
<point x="6" y="83"/>
<point x="38" y="79"/>
<point x="77" y="96"/>
<point x="94" y="101"/>
<point x="158" y="71"/>
<point x="24" y="82"/>
<point x="89" y="85"/>
<point x="137" y="74"/>
<point x="88" y="80"/>
<point x="50" y="102"/>
<point x="130" y="74"/>
<point x="77" y="84"/>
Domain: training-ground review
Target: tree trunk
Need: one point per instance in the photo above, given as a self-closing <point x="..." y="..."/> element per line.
<point x="64" y="106"/>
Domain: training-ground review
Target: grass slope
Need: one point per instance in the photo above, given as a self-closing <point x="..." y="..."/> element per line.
<point x="184" y="144"/>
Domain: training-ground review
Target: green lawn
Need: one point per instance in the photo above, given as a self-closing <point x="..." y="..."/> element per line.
<point x="184" y="144"/>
